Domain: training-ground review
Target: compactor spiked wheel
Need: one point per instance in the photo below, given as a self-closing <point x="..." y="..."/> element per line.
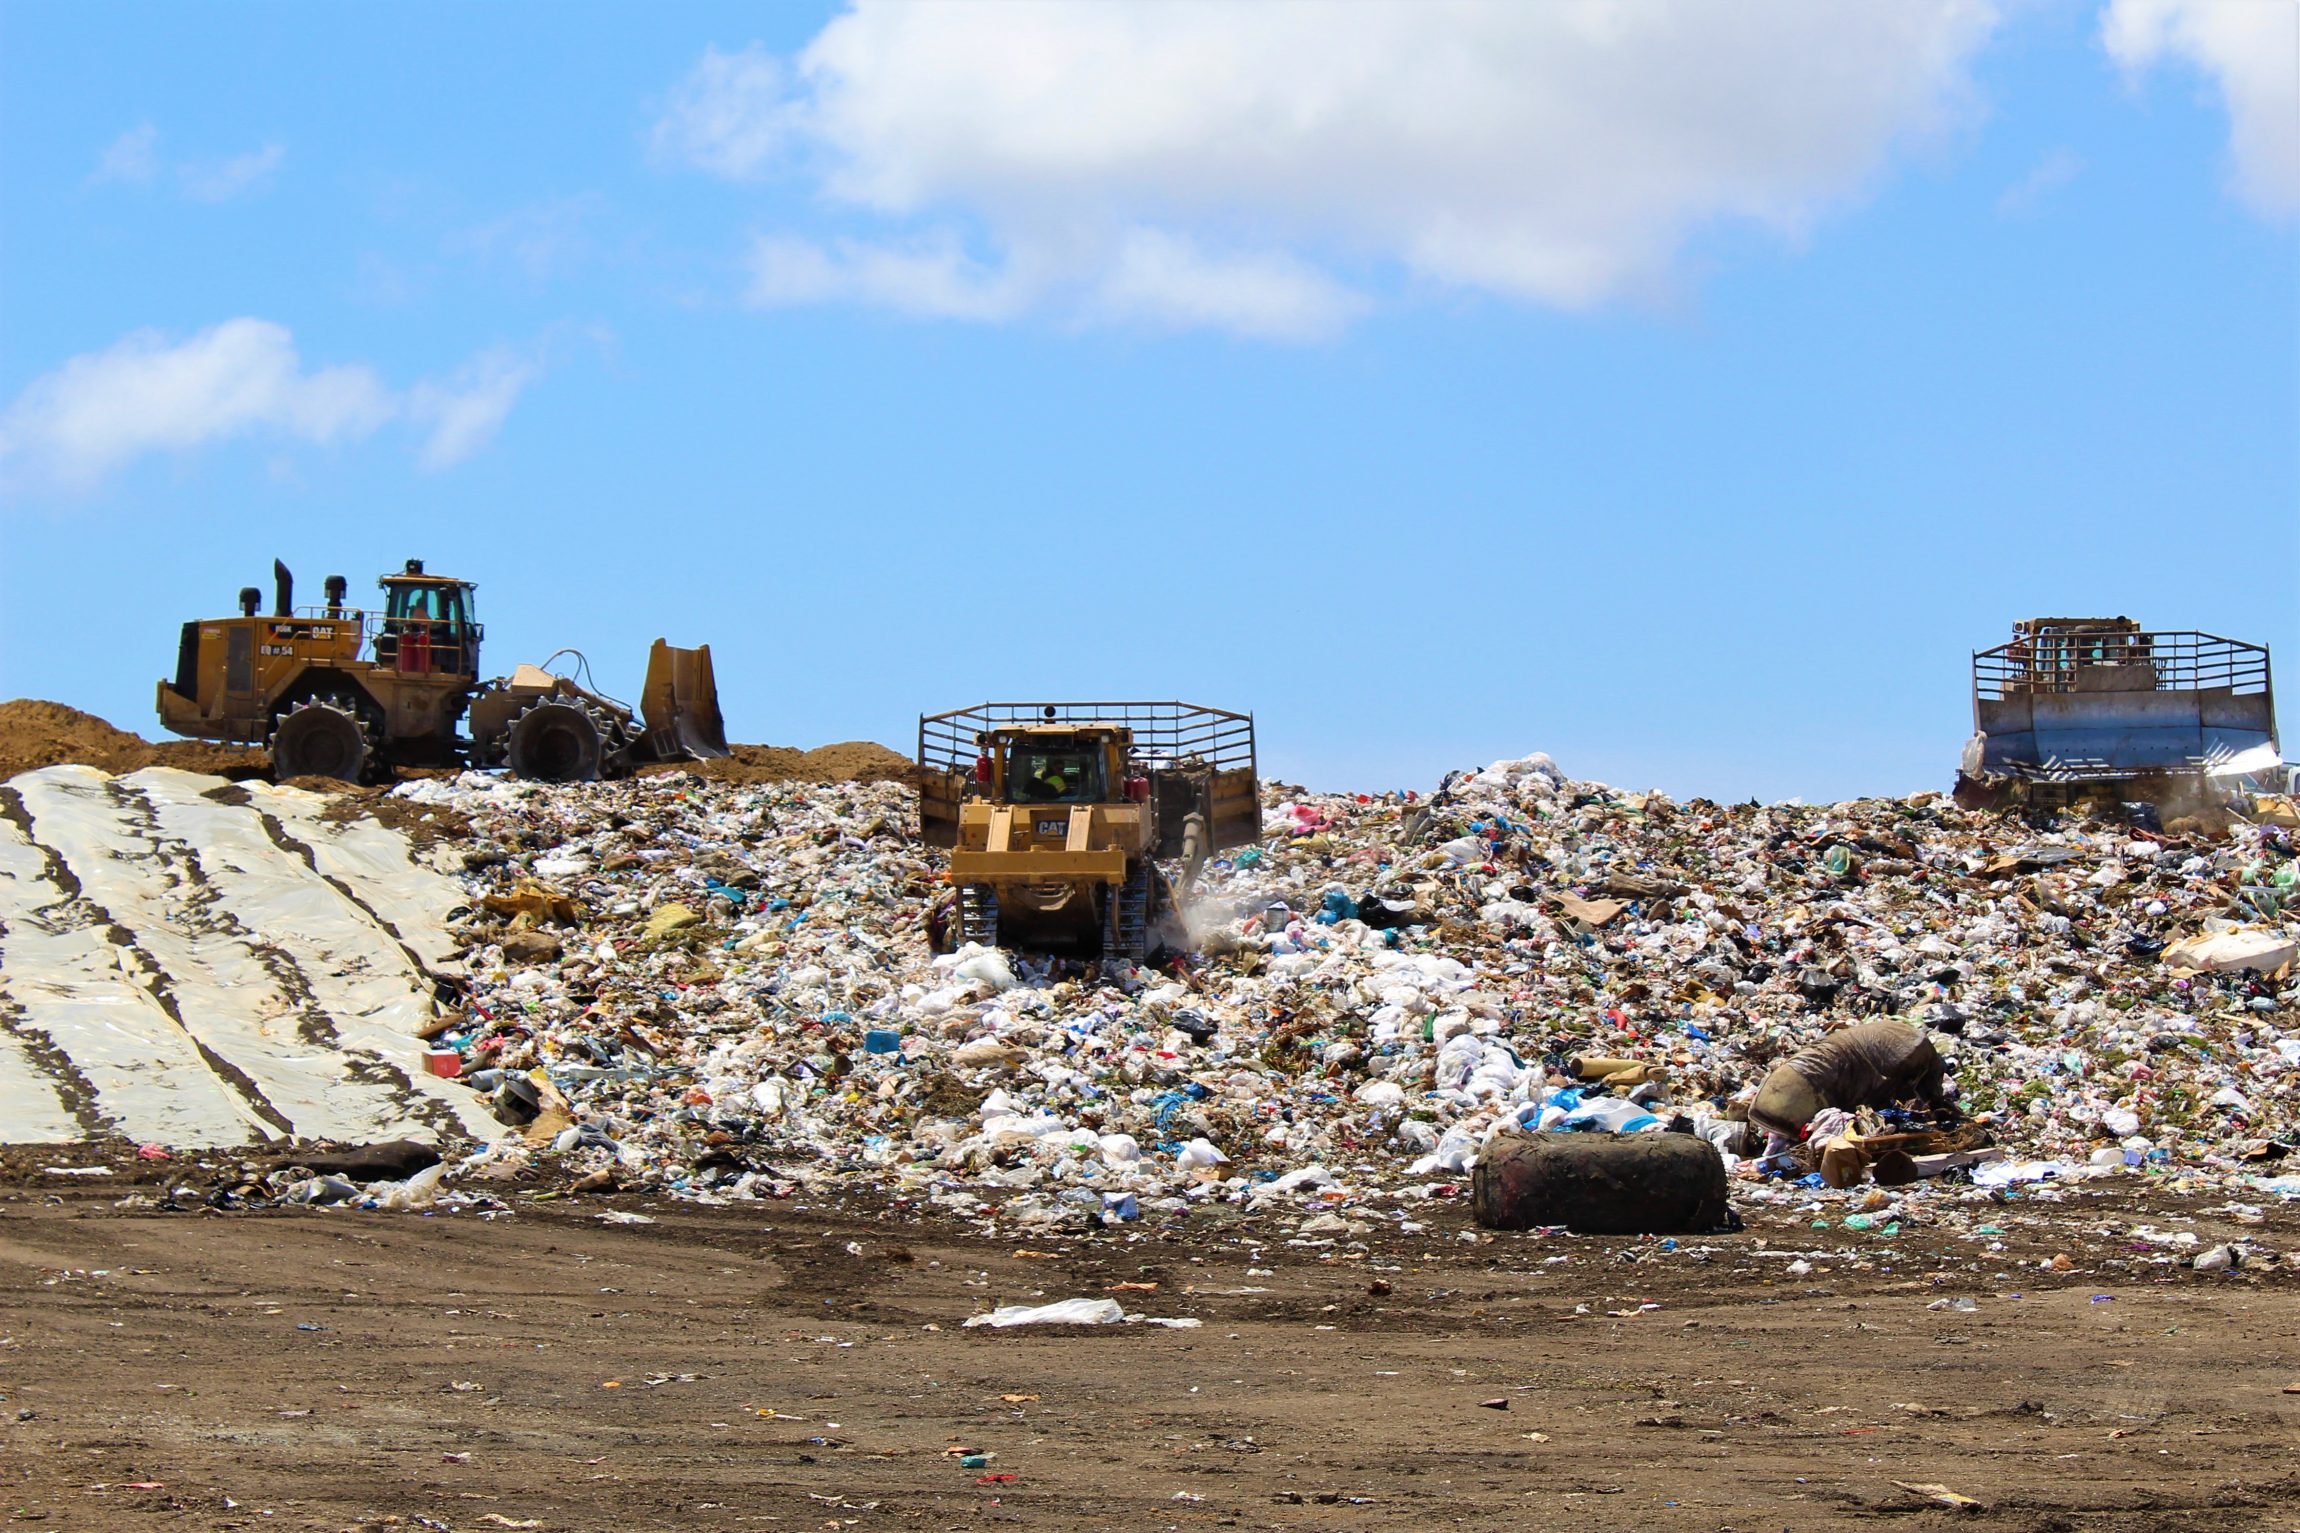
<point x="978" y="915"/>
<point x="320" y="737"/>
<point x="561" y="739"/>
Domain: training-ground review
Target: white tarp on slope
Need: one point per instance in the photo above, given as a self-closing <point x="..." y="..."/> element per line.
<point x="68" y="989"/>
<point x="196" y="971"/>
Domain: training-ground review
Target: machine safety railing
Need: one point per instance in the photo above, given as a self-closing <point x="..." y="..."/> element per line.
<point x="948" y="742"/>
<point x="372" y="623"/>
<point x="2178" y="661"/>
<point x="413" y="644"/>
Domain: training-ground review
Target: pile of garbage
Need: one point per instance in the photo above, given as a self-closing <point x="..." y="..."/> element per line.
<point x="724" y="991"/>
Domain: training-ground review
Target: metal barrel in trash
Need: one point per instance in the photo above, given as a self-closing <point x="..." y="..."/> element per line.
<point x="1600" y="1184"/>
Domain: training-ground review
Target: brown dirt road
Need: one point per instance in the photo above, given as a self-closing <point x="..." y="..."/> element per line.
<point x="780" y="1366"/>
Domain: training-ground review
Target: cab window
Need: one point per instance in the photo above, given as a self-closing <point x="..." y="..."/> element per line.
<point x="439" y="607"/>
<point x="1036" y="775"/>
<point x="449" y="610"/>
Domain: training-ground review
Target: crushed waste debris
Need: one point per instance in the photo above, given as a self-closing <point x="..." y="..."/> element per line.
<point x="713" y="988"/>
<point x="725" y="992"/>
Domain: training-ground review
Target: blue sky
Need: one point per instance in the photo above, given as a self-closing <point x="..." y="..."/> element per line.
<point x="1685" y="404"/>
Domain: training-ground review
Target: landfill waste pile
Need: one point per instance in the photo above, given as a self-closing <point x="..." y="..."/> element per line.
<point x="723" y="991"/>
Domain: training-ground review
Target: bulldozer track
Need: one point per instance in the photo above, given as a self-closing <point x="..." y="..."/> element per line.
<point x="1128" y="935"/>
<point x="978" y="915"/>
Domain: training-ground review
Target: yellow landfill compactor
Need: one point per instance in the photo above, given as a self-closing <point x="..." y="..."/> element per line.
<point x="1056" y="815"/>
<point x="335" y="691"/>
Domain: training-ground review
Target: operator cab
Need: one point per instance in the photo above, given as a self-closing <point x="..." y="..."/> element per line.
<point x="1049" y="763"/>
<point x="427" y="627"/>
<point x="1055" y="771"/>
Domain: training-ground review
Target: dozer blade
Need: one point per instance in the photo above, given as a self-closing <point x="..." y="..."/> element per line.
<point x="681" y="705"/>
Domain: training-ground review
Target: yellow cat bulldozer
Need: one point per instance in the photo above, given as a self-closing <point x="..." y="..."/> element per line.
<point x="337" y="691"/>
<point x="1056" y="816"/>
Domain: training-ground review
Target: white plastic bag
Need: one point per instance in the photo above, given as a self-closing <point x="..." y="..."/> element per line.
<point x="1062" y="1312"/>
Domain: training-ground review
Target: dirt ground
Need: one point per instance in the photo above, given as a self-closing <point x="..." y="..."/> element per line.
<point x="847" y="761"/>
<point x="802" y="1365"/>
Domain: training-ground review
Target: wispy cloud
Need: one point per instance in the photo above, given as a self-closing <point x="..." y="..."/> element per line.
<point x="71" y="429"/>
<point x="226" y="179"/>
<point x="463" y="412"/>
<point x="133" y="159"/>
<point x="728" y="116"/>
<point x="2055" y="170"/>
<point x="1166" y="280"/>
<point x="542" y="240"/>
<point x="930" y="277"/>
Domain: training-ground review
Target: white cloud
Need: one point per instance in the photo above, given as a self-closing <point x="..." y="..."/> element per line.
<point x="1555" y="153"/>
<point x="72" y="428"/>
<point x="929" y="277"/>
<point x="728" y="115"/>
<point x="2251" y="50"/>
<point x="223" y="180"/>
<point x="2055" y="170"/>
<point x="145" y="394"/>
<point x="1165" y="279"/>
<point x="133" y="157"/>
<point x="463" y="413"/>
<point x="542" y="240"/>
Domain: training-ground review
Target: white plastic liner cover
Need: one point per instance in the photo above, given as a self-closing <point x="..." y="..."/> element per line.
<point x="200" y="971"/>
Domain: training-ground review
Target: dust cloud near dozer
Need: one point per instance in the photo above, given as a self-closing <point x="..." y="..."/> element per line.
<point x="1058" y="814"/>
<point x="339" y="691"/>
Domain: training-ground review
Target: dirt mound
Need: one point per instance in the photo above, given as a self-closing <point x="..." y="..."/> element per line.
<point x="857" y="761"/>
<point x="847" y="761"/>
<point x="35" y="734"/>
<point x="232" y="761"/>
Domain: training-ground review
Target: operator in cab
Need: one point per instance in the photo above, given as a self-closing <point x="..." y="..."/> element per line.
<point x="1054" y="777"/>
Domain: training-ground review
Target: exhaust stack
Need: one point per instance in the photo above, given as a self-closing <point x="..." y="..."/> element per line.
<point x="283" y="584"/>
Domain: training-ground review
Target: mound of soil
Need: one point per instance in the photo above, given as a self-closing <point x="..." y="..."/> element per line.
<point x="35" y="734"/>
<point x="232" y="761"/>
<point x="848" y="761"/>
